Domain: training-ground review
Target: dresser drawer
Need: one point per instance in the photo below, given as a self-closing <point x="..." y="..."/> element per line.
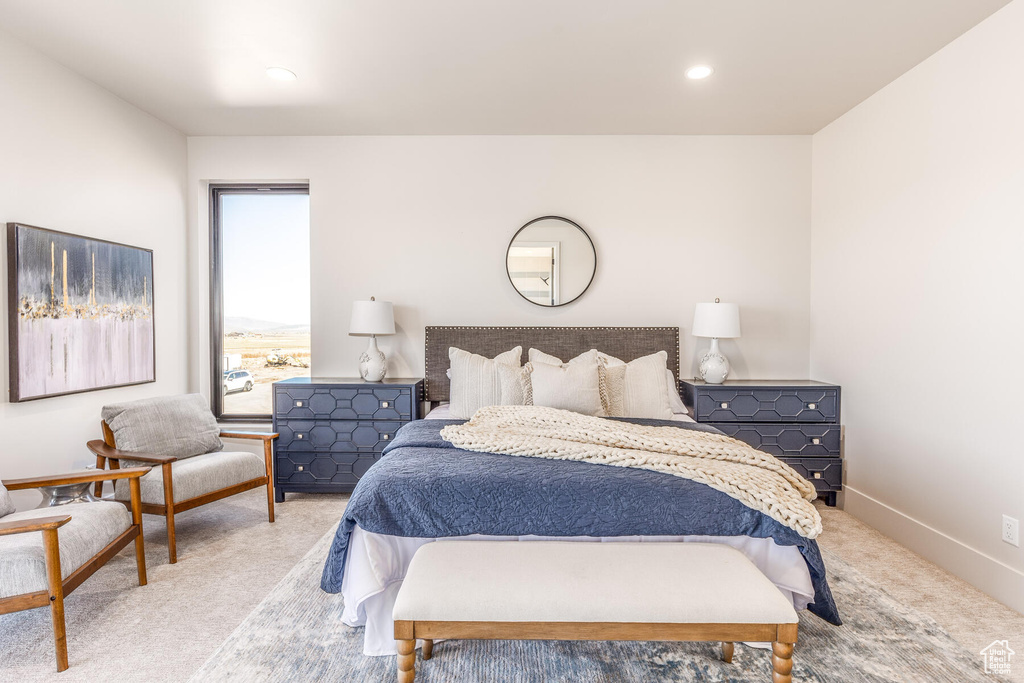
<point x="356" y="436"/>
<point x="343" y="403"/>
<point x="734" y="404"/>
<point x="825" y="473"/>
<point x="305" y="468"/>
<point x="786" y="439"/>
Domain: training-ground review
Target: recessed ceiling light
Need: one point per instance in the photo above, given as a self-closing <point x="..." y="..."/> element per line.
<point x="697" y="73"/>
<point x="279" y="73"/>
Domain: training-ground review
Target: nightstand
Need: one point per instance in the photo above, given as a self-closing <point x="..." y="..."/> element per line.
<point x="333" y="429"/>
<point x="797" y="421"/>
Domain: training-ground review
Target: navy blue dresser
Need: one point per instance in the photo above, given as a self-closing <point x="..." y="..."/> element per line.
<point x="332" y="429"/>
<point x="797" y="421"/>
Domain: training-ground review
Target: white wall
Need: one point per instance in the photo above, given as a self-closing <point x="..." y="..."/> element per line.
<point x="918" y="301"/>
<point x="425" y="222"/>
<point x="77" y="159"/>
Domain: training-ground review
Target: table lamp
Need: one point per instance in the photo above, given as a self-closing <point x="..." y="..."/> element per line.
<point x="717" y="321"/>
<point x="370" y="318"/>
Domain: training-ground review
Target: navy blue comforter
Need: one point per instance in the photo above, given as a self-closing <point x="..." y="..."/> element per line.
<point x="423" y="487"/>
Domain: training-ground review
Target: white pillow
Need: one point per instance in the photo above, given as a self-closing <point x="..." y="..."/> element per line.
<point x="642" y="384"/>
<point x="675" y="401"/>
<point x="538" y="356"/>
<point x="475" y="380"/>
<point x="516" y="389"/>
<point x="587" y="358"/>
<point x="572" y="386"/>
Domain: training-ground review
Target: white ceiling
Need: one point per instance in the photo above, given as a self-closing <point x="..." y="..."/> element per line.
<point x="492" y="66"/>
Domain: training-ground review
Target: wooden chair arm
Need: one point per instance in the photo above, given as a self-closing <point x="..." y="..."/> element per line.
<point x="102" y="449"/>
<point x="75" y="478"/>
<point x="24" y="526"/>
<point x="264" y="436"/>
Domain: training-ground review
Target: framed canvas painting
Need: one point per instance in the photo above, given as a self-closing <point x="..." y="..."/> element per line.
<point x="80" y="313"/>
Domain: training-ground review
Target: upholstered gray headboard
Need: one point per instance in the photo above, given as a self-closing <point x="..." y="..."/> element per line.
<point x="627" y="343"/>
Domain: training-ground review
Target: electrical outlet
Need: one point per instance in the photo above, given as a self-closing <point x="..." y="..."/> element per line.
<point x="1011" y="530"/>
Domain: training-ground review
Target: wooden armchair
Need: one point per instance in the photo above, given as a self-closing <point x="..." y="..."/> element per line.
<point x="94" y="533"/>
<point x="159" y="495"/>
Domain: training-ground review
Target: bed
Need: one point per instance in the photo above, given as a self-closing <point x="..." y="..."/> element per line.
<point x="424" y="489"/>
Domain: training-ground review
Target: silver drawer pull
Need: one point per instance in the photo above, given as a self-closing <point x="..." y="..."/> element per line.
<point x="300" y="468"/>
<point x="385" y="437"/>
<point x="816" y="441"/>
<point x="298" y="404"/>
<point x="724" y="406"/>
<point x="817" y="475"/>
<point x="384" y="404"/>
<point x="298" y="436"/>
<point x="812" y="406"/>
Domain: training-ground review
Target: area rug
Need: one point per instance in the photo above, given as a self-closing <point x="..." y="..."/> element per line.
<point x="296" y="634"/>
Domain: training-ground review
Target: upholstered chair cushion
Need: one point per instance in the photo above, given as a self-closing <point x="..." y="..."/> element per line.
<point x="92" y="527"/>
<point x="6" y="504"/>
<point x="196" y="476"/>
<point x="182" y="426"/>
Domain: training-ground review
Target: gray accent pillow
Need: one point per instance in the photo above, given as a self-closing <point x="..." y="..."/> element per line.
<point x="182" y="426"/>
<point x="6" y="504"/>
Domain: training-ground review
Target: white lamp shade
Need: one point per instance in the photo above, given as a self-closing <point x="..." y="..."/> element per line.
<point x="717" y="320"/>
<point x="372" y="317"/>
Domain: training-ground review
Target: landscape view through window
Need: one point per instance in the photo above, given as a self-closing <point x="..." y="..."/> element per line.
<point x="265" y="271"/>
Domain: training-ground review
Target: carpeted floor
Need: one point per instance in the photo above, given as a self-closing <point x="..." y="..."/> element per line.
<point x="231" y="560"/>
<point x="296" y="635"/>
<point x="970" y="616"/>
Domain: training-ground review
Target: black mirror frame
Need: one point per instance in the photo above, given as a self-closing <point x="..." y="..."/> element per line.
<point x="575" y="225"/>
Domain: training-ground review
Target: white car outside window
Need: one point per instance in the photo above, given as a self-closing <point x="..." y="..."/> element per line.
<point x="238" y="380"/>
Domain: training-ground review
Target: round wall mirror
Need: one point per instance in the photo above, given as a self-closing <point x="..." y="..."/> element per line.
<point x="551" y="261"/>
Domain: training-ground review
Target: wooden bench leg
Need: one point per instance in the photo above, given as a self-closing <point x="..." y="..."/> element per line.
<point x="727" y="652"/>
<point x="782" y="662"/>
<point x="428" y="649"/>
<point x="406" y="661"/>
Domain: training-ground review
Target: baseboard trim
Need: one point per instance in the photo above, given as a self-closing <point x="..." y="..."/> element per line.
<point x="987" y="574"/>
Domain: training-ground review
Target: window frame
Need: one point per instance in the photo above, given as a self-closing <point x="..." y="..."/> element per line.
<point x="218" y="190"/>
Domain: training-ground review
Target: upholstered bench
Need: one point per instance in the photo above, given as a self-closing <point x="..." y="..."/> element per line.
<point x="554" y="590"/>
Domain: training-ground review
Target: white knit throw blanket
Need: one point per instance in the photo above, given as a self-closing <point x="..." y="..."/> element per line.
<point x="758" y="480"/>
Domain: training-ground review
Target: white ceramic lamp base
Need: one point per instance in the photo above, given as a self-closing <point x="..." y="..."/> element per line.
<point x="714" y="367"/>
<point x="372" y="364"/>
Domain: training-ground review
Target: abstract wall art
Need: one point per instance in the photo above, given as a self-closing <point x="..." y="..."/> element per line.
<point x="80" y="313"/>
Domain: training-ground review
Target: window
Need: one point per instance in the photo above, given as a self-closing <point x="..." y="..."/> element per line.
<point x="259" y="295"/>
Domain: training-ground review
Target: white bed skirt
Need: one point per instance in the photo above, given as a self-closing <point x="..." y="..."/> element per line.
<point x="376" y="565"/>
